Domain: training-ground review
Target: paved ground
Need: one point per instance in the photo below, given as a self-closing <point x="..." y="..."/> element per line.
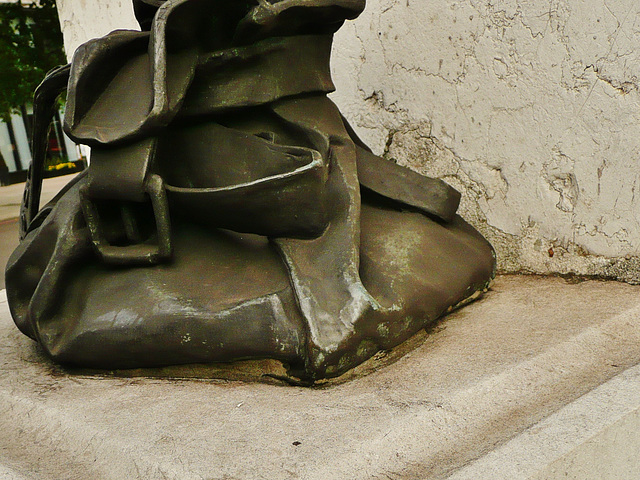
<point x="491" y="372"/>
<point x="11" y="196"/>
<point x="8" y="241"/>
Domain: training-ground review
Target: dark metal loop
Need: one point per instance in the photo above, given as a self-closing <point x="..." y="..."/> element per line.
<point x="44" y="107"/>
<point x="138" y="252"/>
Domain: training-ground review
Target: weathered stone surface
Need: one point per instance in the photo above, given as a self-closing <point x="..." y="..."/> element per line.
<point x="531" y="346"/>
<point x="593" y="438"/>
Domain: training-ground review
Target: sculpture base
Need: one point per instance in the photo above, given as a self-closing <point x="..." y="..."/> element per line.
<point x="494" y="371"/>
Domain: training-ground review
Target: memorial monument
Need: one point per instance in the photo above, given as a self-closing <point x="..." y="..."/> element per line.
<point x="230" y="212"/>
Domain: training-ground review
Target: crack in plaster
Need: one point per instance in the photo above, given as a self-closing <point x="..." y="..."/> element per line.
<point x="568" y="257"/>
<point x="543" y="77"/>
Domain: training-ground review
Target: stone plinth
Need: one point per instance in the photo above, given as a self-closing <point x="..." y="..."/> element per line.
<point x="487" y="377"/>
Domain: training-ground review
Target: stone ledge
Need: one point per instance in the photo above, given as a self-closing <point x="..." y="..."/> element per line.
<point x="595" y="437"/>
<point x="489" y="375"/>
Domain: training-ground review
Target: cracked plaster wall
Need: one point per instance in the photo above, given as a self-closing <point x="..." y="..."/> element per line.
<point x="82" y="20"/>
<point x="529" y="107"/>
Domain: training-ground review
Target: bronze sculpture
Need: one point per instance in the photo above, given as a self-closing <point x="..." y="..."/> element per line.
<point x="229" y="211"/>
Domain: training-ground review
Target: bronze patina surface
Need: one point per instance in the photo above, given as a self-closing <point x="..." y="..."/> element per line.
<point x="229" y="211"/>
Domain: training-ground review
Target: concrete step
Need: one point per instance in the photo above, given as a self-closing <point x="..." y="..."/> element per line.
<point x="533" y="380"/>
<point x="595" y="437"/>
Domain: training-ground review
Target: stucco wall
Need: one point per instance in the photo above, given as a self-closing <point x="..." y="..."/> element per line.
<point x="82" y="20"/>
<point x="528" y="107"/>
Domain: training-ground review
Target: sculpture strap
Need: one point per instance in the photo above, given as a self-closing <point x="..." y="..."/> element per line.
<point x="123" y="177"/>
<point x="429" y="195"/>
<point x="44" y="107"/>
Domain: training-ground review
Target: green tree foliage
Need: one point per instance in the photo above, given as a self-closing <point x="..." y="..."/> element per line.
<point x="30" y="45"/>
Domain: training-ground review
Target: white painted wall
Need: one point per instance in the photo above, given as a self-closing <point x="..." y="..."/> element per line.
<point x="82" y="20"/>
<point x="530" y="107"/>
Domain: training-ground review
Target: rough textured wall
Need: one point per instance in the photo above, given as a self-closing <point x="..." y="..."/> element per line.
<point x="82" y="20"/>
<point x="529" y="107"/>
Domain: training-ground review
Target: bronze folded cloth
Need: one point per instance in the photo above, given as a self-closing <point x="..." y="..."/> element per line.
<point x="328" y="276"/>
<point x="130" y="80"/>
<point x="222" y="216"/>
<point x="227" y="296"/>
